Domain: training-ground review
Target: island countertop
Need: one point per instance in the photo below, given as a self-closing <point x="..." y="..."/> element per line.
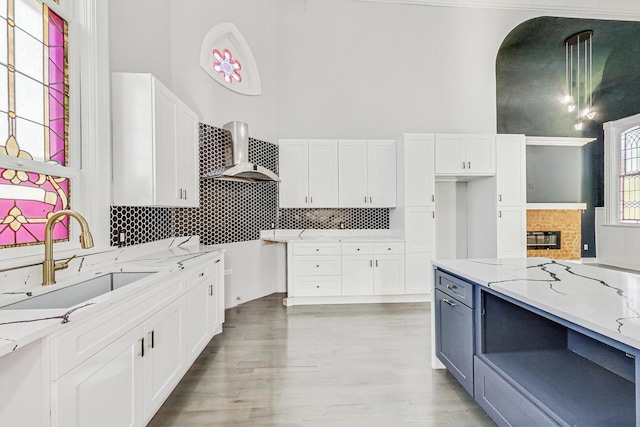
<point x="602" y="300"/>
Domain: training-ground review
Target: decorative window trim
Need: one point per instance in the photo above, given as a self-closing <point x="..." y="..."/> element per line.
<point x="227" y="58"/>
<point x="613" y="132"/>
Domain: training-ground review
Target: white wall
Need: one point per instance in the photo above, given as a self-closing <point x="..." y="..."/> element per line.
<point x="617" y="245"/>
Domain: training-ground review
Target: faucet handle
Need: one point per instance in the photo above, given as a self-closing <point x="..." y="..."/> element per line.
<point x="64" y="264"/>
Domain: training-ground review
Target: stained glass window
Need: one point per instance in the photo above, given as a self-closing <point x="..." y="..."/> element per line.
<point x="630" y="176"/>
<point x="34" y="119"/>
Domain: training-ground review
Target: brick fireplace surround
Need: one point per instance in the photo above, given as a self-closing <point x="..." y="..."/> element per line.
<point x="568" y="222"/>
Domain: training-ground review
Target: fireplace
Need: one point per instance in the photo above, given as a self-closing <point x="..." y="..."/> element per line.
<point x="549" y="240"/>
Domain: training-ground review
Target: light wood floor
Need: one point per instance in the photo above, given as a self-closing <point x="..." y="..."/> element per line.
<point x="332" y="365"/>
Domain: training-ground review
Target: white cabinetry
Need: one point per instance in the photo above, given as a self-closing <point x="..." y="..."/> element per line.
<point x="372" y="268"/>
<point x="118" y="368"/>
<point x="420" y="226"/>
<point x="512" y="232"/>
<point x="309" y="173"/>
<point x="155" y="144"/>
<point x="315" y="269"/>
<point x="367" y="172"/>
<point x="465" y="154"/>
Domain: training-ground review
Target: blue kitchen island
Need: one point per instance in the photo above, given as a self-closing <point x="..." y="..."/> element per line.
<point x="540" y="342"/>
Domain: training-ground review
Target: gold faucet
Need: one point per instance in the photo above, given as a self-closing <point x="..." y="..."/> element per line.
<point x="49" y="266"/>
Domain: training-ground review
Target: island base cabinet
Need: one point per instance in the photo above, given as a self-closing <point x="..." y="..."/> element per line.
<point x="454" y="338"/>
<point x="106" y="390"/>
<point x="503" y="403"/>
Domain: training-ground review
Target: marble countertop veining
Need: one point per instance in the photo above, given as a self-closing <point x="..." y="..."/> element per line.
<point x="338" y="236"/>
<point x="602" y="300"/>
<point x="21" y="327"/>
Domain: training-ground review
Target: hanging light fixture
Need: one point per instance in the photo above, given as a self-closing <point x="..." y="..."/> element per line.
<point x="579" y="76"/>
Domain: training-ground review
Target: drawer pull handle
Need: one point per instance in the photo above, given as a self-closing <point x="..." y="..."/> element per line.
<point x="141" y="352"/>
<point x="152" y="335"/>
<point x="376" y="263"/>
<point x="217" y="261"/>
<point x="446" y="301"/>
<point x="370" y="263"/>
<point x="210" y="290"/>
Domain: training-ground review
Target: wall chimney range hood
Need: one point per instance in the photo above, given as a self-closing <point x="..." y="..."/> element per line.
<point x="241" y="169"/>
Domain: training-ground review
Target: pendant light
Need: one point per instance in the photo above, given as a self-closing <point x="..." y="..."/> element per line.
<point x="579" y="76"/>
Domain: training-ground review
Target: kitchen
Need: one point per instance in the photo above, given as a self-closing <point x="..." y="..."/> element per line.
<point x="436" y="76"/>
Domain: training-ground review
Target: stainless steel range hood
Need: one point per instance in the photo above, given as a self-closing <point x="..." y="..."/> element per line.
<point x="241" y="170"/>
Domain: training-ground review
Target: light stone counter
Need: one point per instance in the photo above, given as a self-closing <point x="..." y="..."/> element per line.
<point x="601" y="300"/>
<point x="344" y="236"/>
<point x="21" y="327"/>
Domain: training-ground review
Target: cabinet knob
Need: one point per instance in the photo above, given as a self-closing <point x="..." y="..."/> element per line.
<point x="449" y="287"/>
<point x="201" y="274"/>
<point x="357" y="249"/>
<point x="317" y="249"/>
<point x="317" y="286"/>
<point x="388" y="249"/>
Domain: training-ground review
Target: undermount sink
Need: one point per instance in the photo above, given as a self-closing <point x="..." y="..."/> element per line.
<point x="80" y="292"/>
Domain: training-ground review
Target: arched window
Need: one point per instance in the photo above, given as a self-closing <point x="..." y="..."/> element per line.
<point x="629" y="199"/>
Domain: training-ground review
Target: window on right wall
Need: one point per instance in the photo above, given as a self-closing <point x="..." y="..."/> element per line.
<point x="622" y="170"/>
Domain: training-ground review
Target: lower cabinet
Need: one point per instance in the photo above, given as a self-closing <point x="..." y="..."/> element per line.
<point x="126" y="381"/>
<point x="372" y="269"/>
<point x="454" y="338"/>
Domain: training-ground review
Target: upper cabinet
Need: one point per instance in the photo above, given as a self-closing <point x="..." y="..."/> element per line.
<point x="308" y="171"/>
<point x="465" y="154"/>
<point x="155" y="144"/>
<point x="367" y="171"/>
<point x="419" y="180"/>
<point x="511" y="170"/>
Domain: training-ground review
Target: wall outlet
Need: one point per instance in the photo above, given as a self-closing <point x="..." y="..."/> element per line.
<point x="121" y="237"/>
<point x="585" y="247"/>
<point x="342" y="225"/>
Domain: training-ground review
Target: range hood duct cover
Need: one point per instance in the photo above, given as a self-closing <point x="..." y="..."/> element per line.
<point x="241" y="169"/>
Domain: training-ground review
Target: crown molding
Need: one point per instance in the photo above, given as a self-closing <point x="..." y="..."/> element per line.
<point x="624" y="9"/>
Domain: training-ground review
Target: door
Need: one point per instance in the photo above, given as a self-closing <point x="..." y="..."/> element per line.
<point x="323" y="174"/>
<point x="449" y="155"/>
<point x="167" y="163"/>
<point x="388" y="275"/>
<point x="480" y="154"/>
<point x="164" y="354"/>
<point x="106" y="390"/>
<point x="293" y="169"/>
<point x="381" y="173"/>
<point x="188" y="157"/>
<point x="511" y="170"/>
<point x="352" y="170"/>
<point x="512" y="232"/>
<point x="199" y="319"/>
<point x="419" y="177"/>
<point x="357" y="275"/>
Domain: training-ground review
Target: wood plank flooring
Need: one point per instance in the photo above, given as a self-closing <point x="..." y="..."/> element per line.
<point x="308" y="366"/>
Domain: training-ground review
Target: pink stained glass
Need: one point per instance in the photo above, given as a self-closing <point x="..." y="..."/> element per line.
<point x="58" y="89"/>
<point x="22" y="221"/>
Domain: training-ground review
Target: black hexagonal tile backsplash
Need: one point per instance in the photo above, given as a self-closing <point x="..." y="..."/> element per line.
<point x="232" y="211"/>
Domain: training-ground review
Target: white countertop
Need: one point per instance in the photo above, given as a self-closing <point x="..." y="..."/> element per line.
<point x="21" y="327"/>
<point x="292" y="236"/>
<point x="599" y="299"/>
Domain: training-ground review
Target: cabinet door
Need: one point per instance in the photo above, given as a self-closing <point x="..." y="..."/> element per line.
<point x="511" y="170"/>
<point x="480" y="154"/>
<point x="449" y="156"/>
<point x="352" y="170"/>
<point x="388" y="275"/>
<point x="164" y="354"/>
<point x="293" y="170"/>
<point x="166" y="171"/>
<point x="420" y="230"/>
<point x="199" y="319"/>
<point x="418" y="272"/>
<point x="512" y="232"/>
<point x="106" y="390"/>
<point x="419" y="176"/>
<point x="454" y="338"/>
<point x="189" y="157"/>
<point x="323" y="174"/>
<point x="357" y="275"/>
<point x="218" y="293"/>
<point x="381" y="173"/>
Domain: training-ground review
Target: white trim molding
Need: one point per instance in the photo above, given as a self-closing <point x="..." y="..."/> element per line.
<point x="557" y="206"/>
<point x="624" y="9"/>
<point x="558" y="141"/>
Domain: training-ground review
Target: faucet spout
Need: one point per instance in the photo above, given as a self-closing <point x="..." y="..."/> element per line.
<point x="49" y="266"/>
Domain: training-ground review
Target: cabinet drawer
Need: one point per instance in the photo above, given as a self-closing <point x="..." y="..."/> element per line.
<point x="332" y="248"/>
<point x="503" y="402"/>
<point x="317" y="286"/>
<point x="454" y="287"/>
<point x="357" y="248"/>
<point x="388" y="248"/>
<point x="72" y="347"/>
<point x="317" y="266"/>
<point x="199" y="274"/>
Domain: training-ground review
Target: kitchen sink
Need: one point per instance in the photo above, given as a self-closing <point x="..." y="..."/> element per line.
<point x="80" y="292"/>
